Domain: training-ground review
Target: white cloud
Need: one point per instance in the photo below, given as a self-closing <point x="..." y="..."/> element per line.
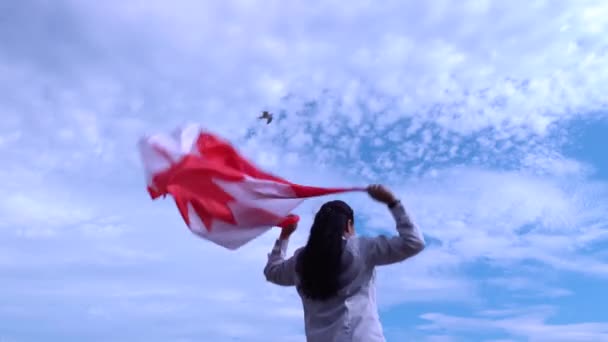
<point x="532" y="287"/>
<point x="530" y="324"/>
<point x="508" y="215"/>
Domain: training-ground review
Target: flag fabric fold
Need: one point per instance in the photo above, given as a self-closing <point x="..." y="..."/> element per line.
<point x="221" y="196"/>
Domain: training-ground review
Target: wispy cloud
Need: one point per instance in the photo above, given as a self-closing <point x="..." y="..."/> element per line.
<point x="530" y="323"/>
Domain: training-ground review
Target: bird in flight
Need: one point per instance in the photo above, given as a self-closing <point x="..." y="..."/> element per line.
<point x="266" y="115"/>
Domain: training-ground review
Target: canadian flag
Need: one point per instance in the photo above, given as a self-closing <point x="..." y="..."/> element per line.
<point x="221" y="196"/>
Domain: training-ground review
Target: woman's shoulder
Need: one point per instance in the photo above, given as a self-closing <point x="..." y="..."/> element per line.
<point x="359" y="241"/>
<point x="361" y="245"/>
<point x="357" y="244"/>
<point x="298" y="251"/>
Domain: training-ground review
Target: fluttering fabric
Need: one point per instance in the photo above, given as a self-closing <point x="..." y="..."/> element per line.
<point x="222" y="196"/>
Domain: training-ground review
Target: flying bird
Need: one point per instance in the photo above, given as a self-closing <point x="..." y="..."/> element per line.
<point x="266" y="115"/>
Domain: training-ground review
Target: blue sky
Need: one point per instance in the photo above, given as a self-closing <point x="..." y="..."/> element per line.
<point x="488" y="118"/>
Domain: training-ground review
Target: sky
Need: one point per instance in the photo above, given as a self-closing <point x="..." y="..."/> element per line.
<point x="487" y="118"/>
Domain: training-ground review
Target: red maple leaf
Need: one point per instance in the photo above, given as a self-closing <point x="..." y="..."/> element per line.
<point x="191" y="182"/>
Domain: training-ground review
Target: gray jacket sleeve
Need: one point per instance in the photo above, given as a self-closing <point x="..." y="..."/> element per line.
<point x="278" y="270"/>
<point x="383" y="250"/>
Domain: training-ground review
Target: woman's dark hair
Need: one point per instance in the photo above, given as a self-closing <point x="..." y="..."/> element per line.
<point x="319" y="263"/>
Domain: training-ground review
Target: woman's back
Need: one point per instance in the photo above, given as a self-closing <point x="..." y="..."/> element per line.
<point x="350" y="313"/>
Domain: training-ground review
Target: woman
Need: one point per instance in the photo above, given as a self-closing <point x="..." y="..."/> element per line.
<point x="334" y="272"/>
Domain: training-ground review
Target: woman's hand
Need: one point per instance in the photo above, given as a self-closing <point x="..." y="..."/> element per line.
<point x="288" y="229"/>
<point x="381" y="194"/>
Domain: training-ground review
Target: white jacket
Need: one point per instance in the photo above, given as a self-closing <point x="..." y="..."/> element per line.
<point x="352" y="315"/>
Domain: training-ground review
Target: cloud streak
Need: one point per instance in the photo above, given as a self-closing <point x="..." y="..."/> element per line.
<point x="528" y="323"/>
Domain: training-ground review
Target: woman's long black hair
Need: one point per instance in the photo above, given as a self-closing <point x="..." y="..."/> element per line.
<point x="319" y="263"/>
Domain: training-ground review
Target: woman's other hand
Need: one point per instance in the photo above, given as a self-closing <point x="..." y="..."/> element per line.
<point x="381" y="194"/>
<point x="290" y="226"/>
